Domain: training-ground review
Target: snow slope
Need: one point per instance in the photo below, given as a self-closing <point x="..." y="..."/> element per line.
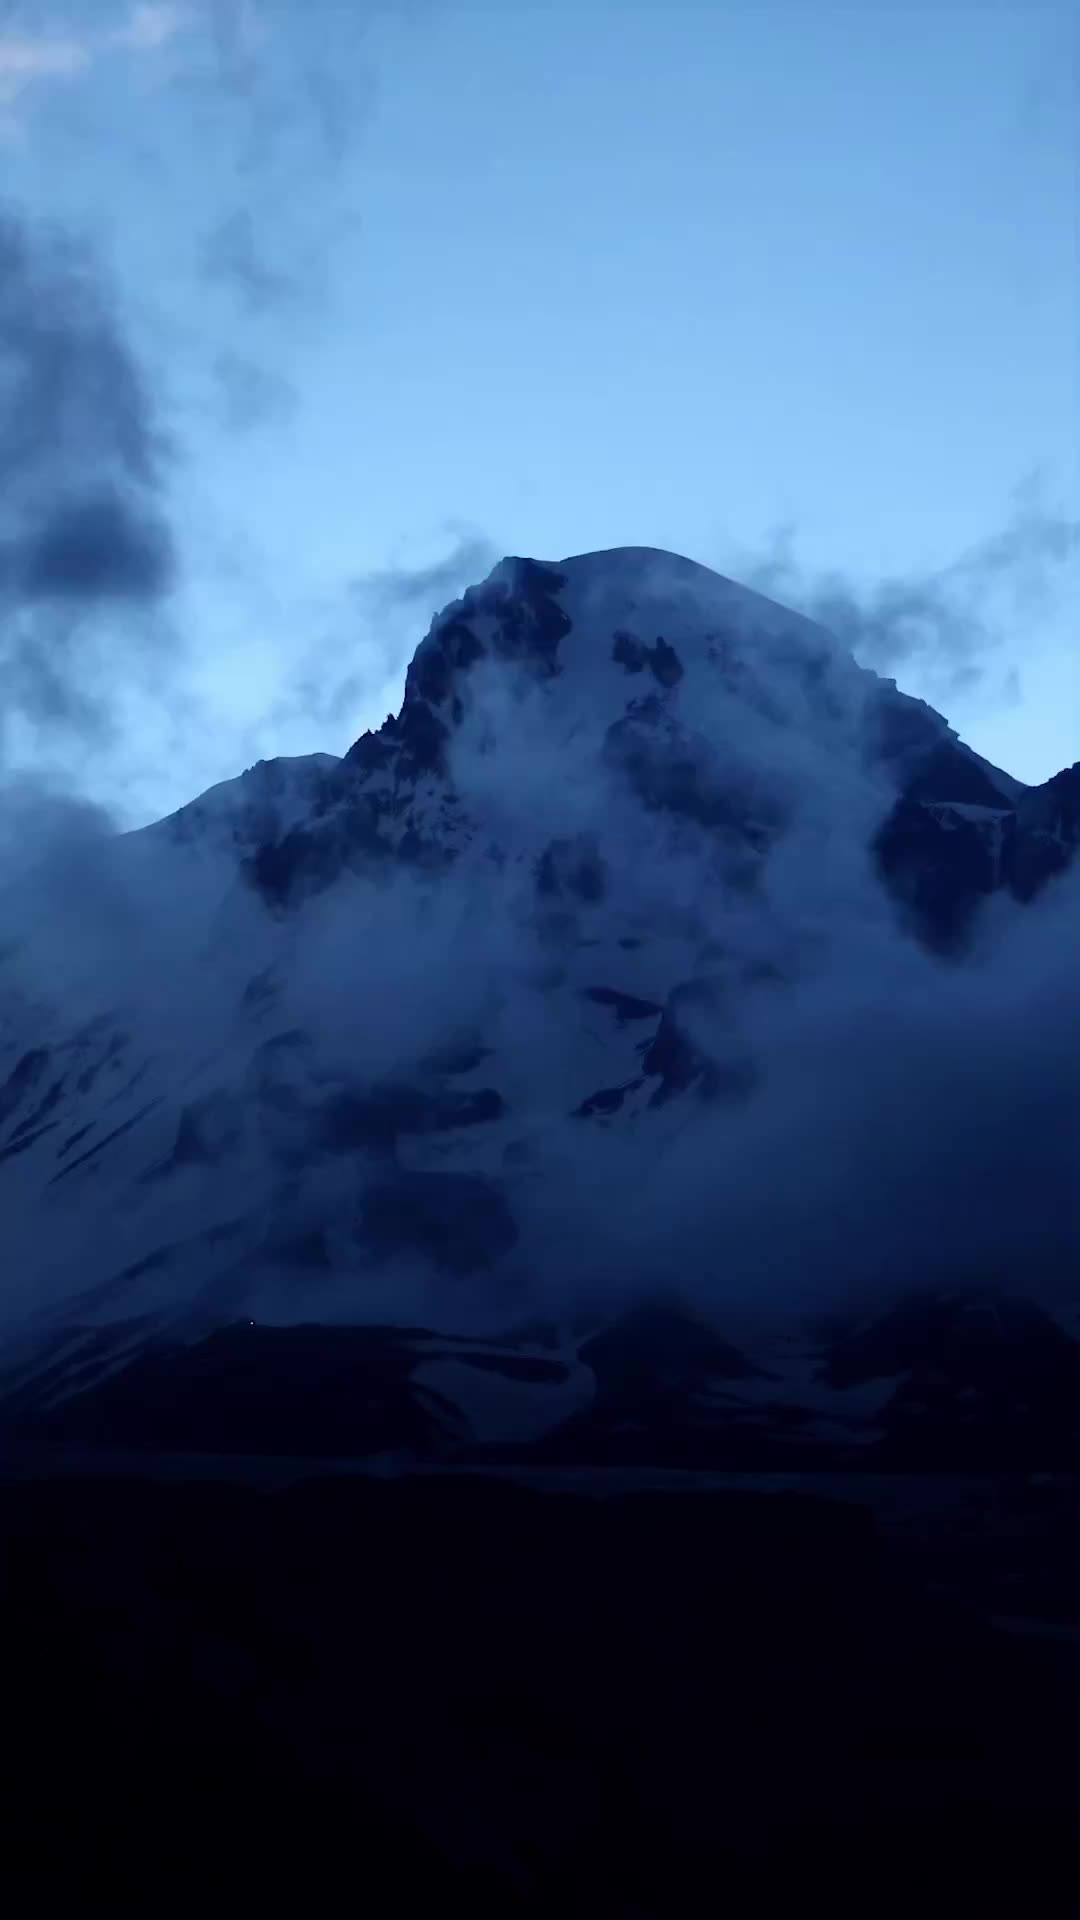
<point x="479" y="1018"/>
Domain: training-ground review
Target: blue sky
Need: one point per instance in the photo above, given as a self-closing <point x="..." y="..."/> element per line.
<point x="793" y="289"/>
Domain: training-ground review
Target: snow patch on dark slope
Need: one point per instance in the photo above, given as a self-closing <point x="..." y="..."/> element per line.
<point x="654" y="944"/>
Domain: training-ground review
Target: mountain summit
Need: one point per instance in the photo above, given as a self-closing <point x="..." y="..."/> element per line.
<point x="701" y="699"/>
<point x="632" y="953"/>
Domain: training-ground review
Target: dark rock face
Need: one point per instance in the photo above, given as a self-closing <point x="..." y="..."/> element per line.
<point x="661" y="659"/>
<point x="983" y="1382"/>
<point x="682" y="1059"/>
<point x="941" y="863"/>
<point x="110" y="1055"/>
<point x="458" y="1221"/>
<point x="303" y="1390"/>
<point x="106" y="1140"/>
<point x="1046" y="834"/>
<point x="939" y="871"/>
<point x="377" y="1119"/>
<point x="275" y="1065"/>
<point x="899" y="732"/>
<point x="606" y="1101"/>
<point x="261" y="992"/>
<point x="664" y="1382"/>
<point x="24" y="1077"/>
<point x="573" y="869"/>
<point x="962" y="1337"/>
<point x="945" y="774"/>
<point x="362" y="815"/>
<point x="306" y="1120"/>
<point x="527" y="625"/>
<point x="308" y="859"/>
<point x="206" y="1132"/>
<point x="24" y="1080"/>
<point x="282" y="871"/>
<point x="970" y="1383"/>
<point x="674" y="771"/>
<point x="626" y="1007"/>
<point x="24" y="1138"/>
<point x="421" y="737"/>
<point x="656" y="1354"/>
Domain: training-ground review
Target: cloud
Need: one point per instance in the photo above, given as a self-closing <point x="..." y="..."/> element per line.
<point x="240" y="32"/>
<point x="250" y="396"/>
<point x="42" y="826"/>
<point x="295" y="71"/>
<point x="84" y="529"/>
<point x="272" y="96"/>
<point x="374" y="627"/>
<point x="32" y="58"/>
<point x="906" y="1122"/>
<point x="431" y="587"/>
<point x="24" y="59"/>
<point x="151" y="26"/>
<point x="232" y="256"/>
<point x="74" y="395"/>
<point x="947" y="623"/>
<point x="95" y="549"/>
<point x="285" y="93"/>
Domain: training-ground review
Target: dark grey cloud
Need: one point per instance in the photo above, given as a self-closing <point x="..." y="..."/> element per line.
<point x="72" y="388"/>
<point x="98" y="548"/>
<point x="84" y="529"/>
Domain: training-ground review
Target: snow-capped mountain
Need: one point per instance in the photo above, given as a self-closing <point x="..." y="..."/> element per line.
<point x="640" y="951"/>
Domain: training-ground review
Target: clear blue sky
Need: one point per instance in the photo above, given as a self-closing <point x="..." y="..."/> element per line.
<point x="553" y="277"/>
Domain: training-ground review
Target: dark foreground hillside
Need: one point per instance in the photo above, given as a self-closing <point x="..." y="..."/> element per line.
<point x="355" y="1695"/>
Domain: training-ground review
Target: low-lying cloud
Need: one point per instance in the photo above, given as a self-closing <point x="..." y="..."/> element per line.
<point x="885" y="1121"/>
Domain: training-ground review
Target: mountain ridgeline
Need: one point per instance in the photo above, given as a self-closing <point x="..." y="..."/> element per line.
<point x="583" y="1062"/>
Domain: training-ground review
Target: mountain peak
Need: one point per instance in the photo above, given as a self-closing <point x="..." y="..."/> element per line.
<point x="531" y="953"/>
<point x="552" y="693"/>
<point x="604" y="633"/>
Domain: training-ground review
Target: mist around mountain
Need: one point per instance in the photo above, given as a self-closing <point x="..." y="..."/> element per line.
<point x="654" y="951"/>
<point x="540" y="1351"/>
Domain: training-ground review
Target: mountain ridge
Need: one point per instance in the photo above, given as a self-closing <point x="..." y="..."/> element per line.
<point x="491" y="1011"/>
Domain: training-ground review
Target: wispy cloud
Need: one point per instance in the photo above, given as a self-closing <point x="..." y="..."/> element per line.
<point x="29" y="59"/>
<point x="249" y="395"/>
<point x="151" y="26"/>
<point x="26" y="59"/>
<point x="946" y="622"/>
<point x="292" y="93"/>
<point x="233" y="256"/>
<point x="374" y="627"/>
